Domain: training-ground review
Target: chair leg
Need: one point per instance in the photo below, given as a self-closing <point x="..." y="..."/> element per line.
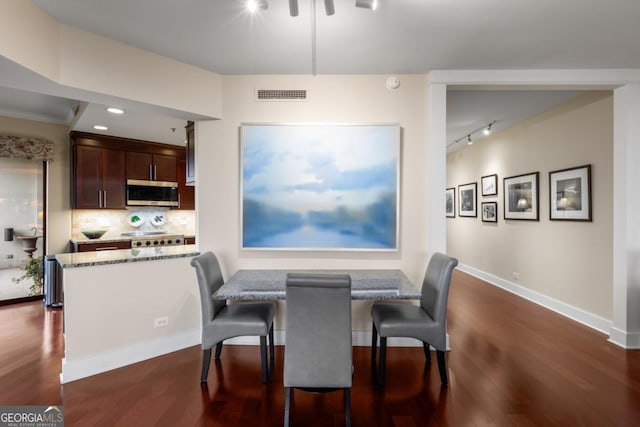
<point x="347" y="407"/>
<point x="218" y="350"/>
<point x="442" y="367"/>
<point x="374" y="347"/>
<point x="287" y="405"/>
<point x="206" y="360"/>
<point x="427" y="351"/>
<point x="383" y="360"/>
<point x="263" y="357"/>
<point x="272" y="351"/>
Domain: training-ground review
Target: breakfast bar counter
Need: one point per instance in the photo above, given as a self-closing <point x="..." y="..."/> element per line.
<point x="89" y="259"/>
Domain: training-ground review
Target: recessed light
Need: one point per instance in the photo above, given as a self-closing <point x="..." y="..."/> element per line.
<point x="115" y="110"/>
<point x="100" y="127"/>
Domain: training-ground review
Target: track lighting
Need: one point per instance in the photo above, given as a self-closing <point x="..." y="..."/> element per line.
<point x="367" y="4"/>
<point x="486" y="130"/>
<point x="293" y="8"/>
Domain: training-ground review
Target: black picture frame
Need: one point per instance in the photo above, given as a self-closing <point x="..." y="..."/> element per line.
<point x="467" y="200"/>
<point x="489" y="211"/>
<point x="450" y="202"/>
<point x="570" y="194"/>
<point x="489" y="185"/>
<point x="522" y="197"/>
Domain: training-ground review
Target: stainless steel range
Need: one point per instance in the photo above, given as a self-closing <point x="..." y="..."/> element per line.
<point x="142" y="239"/>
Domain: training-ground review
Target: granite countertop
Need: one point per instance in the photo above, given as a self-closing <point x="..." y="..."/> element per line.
<point x="88" y="259"/>
<point x="365" y="284"/>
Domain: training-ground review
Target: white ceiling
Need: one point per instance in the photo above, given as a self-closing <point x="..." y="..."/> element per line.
<point x="402" y="36"/>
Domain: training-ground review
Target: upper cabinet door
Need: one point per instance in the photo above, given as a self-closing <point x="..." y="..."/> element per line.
<point x="165" y="168"/>
<point x="139" y="165"/>
<point x="153" y="167"/>
<point x="88" y="178"/>
<point x="191" y="154"/>
<point x="114" y="179"/>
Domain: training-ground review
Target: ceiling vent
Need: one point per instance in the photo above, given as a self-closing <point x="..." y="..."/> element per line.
<point x="281" y="95"/>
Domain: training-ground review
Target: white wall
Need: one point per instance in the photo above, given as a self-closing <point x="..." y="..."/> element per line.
<point x="332" y="99"/>
<point x="570" y="262"/>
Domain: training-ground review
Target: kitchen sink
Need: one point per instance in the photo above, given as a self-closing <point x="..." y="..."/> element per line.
<point x="143" y="233"/>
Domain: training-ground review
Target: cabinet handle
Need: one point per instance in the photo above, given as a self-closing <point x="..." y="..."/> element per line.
<point x="155" y="172"/>
<point x="150" y="172"/>
<point x="99" y="198"/>
<point x="107" y="248"/>
<point x="105" y="197"/>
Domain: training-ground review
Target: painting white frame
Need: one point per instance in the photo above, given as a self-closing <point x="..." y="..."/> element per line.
<point x="328" y="187"/>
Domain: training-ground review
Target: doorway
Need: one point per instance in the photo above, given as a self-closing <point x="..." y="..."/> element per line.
<point x="22" y="217"/>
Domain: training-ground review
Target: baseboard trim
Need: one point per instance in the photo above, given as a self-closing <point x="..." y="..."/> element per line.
<point x="626" y="340"/>
<point x="76" y="369"/>
<point x="591" y="320"/>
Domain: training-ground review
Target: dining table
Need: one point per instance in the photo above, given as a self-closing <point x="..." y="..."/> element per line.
<point x="366" y="284"/>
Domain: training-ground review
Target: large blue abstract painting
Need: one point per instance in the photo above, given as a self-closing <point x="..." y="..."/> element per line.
<point x="323" y="187"/>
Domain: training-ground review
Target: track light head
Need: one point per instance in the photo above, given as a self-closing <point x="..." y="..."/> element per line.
<point x="367" y="4"/>
<point x="469" y="141"/>
<point x="329" y="7"/>
<point x="487" y="130"/>
<point x="293" y="7"/>
<point x="254" y="5"/>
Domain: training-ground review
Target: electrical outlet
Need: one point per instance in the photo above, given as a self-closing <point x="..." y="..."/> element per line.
<point x="160" y="322"/>
<point x="515" y="275"/>
<point x="10" y="256"/>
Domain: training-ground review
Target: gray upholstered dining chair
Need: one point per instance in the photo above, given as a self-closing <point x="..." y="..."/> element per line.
<point x="221" y="321"/>
<point x="426" y="322"/>
<point x="318" y="351"/>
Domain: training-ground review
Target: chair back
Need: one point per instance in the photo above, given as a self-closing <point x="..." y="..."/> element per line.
<point x="209" y="281"/>
<point x="435" y="287"/>
<point x="318" y="349"/>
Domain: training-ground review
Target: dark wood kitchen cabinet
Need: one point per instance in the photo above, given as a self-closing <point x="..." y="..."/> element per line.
<point x="101" y="246"/>
<point x="154" y="167"/>
<point x="99" y="178"/>
<point x="186" y="193"/>
<point x="191" y="153"/>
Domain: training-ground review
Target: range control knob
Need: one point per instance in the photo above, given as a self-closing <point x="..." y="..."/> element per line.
<point x="162" y="242"/>
<point x="177" y="241"/>
<point x="155" y="243"/>
<point x="148" y="243"/>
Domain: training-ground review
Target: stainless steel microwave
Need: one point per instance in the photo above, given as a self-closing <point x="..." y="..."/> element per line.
<point x="152" y="193"/>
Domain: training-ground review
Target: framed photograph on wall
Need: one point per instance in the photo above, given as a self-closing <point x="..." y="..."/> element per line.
<point x="570" y="194"/>
<point x="489" y="211"/>
<point x="489" y="184"/>
<point x="467" y="198"/>
<point x="450" y="202"/>
<point x="521" y="197"/>
<point x="319" y="187"/>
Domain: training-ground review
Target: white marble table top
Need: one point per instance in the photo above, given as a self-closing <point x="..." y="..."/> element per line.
<point x="365" y="284"/>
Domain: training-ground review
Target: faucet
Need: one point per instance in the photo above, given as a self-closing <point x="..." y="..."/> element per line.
<point x="35" y="230"/>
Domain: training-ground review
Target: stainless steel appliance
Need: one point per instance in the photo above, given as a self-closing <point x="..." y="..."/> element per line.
<point x="152" y="193"/>
<point x="149" y="240"/>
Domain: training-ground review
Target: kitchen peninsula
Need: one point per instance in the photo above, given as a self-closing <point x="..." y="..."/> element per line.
<point x="128" y="305"/>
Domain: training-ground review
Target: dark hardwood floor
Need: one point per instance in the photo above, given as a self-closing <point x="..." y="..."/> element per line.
<point x="512" y="363"/>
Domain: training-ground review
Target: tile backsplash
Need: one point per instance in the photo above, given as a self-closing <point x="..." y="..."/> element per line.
<point x="142" y="219"/>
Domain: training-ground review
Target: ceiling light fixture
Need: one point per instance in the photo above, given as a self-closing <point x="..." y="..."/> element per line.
<point x="293" y="7"/>
<point x="114" y="110"/>
<point x="367" y="4"/>
<point x="100" y="127"/>
<point x="487" y="130"/>
<point x="469" y="141"/>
